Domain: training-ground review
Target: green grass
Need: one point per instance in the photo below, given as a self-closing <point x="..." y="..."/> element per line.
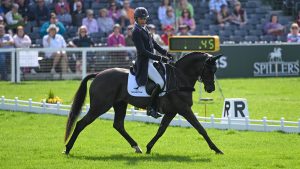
<point x="36" y="141"/>
<point x="270" y="97"/>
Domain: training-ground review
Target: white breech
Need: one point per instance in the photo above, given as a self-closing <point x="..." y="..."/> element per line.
<point x="154" y="75"/>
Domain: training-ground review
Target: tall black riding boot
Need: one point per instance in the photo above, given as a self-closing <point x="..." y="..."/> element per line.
<point x="151" y="109"/>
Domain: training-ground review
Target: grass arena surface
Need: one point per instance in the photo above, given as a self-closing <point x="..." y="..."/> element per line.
<point x="270" y="97"/>
<point x="36" y="141"/>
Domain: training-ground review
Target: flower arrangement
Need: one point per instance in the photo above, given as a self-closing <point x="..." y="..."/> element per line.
<point x="52" y="99"/>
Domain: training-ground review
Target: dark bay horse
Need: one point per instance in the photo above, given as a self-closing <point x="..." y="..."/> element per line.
<point x="109" y="89"/>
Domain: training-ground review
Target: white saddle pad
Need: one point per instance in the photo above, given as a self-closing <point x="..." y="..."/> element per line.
<point x="138" y="92"/>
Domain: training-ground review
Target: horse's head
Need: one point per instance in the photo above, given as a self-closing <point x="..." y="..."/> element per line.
<point x="207" y="74"/>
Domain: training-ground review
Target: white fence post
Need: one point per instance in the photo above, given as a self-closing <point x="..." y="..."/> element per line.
<point x="2" y="101"/>
<point x="265" y="123"/>
<point x="44" y="106"/>
<point x="18" y="69"/>
<point x="212" y="120"/>
<point x="30" y="104"/>
<point x="13" y="67"/>
<point x="16" y="103"/>
<point x="84" y="64"/>
<point x="282" y="123"/>
<point x="247" y="122"/>
<point x="299" y="126"/>
<point x="58" y="108"/>
<point x="132" y="113"/>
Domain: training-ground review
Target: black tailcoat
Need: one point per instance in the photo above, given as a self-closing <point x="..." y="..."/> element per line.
<point x="145" y="46"/>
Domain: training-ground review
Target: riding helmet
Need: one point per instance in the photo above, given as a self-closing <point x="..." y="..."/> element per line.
<point x="140" y="12"/>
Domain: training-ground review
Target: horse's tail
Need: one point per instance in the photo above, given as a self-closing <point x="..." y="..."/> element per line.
<point x="77" y="104"/>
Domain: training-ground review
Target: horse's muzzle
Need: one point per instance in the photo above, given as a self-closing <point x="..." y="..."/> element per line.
<point x="209" y="89"/>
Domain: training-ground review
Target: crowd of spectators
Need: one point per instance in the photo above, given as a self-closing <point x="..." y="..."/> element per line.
<point x="22" y="22"/>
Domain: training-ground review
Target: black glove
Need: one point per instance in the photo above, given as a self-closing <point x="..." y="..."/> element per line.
<point x="164" y="59"/>
<point x="170" y="56"/>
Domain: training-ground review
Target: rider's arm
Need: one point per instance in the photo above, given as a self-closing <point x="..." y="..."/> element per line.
<point x="159" y="48"/>
<point x="140" y="46"/>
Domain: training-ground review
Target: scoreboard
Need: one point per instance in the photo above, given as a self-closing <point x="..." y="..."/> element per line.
<point x="194" y="44"/>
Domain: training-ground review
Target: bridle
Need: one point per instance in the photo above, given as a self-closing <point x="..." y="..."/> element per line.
<point x="200" y="77"/>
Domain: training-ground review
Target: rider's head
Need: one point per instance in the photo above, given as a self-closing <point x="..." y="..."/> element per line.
<point x="141" y="15"/>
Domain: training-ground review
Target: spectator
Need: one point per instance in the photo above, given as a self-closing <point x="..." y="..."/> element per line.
<point x="116" y="38"/>
<point x="169" y="20"/>
<point x="53" y="20"/>
<point x="129" y="42"/>
<point x="224" y="17"/>
<point x="298" y="19"/>
<point x="82" y="40"/>
<point x="123" y="20"/>
<point x="64" y="17"/>
<point x="273" y="27"/>
<point x="121" y="2"/>
<point x="1" y="12"/>
<point x="184" y="4"/>
<point x="6" y="6"/>
<point x="2" y="21"/>
<point x="73" y="5"/>
<point x="239" y="15"/>
<point x="168" y="32"/>
<point x="39" y="13"/>
<point x="13" y="18"/>
<point x="6" y="41"/>
<point x="90" y="22"/>
<point x="78" y="14"/>
<point x="105" y="23"/>
<point x="162" y="10"/>
<point x="184" y="30"/>
<point x="114" y="12"/>
<point x="215" y="6"/>
<point x="155" y="36"/>
<point x="54" y="40"/>
<point x="186" y="19"/>
<point x="62" y="4"/>
<point x="128" y="36"/>
<point x="22" y="40"/>
<point x="294" y="35"/>
<point x="129" y="11"/>
<point x="23" y="8"/>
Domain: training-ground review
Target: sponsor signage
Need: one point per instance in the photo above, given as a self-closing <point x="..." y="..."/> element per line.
<point x="278" y="60"/>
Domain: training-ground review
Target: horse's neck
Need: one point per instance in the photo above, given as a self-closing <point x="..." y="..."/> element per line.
<point x="187" y="69"/>
<point x="184" y="79"/>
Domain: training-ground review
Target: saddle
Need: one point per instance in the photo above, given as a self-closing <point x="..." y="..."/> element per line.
<point x="166" y="71"/>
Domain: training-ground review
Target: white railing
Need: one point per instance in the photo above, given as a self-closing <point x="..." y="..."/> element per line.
<point x="108" y="51"/>
<point x="136" y="115"/>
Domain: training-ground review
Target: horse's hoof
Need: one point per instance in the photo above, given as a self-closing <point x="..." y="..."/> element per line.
<point x="137" y="149"/>
<point x="219" y="152"/>
<point x="65" y="152"/>
<point x="148" y="152"/>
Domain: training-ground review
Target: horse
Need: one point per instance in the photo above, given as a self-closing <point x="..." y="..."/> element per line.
<point x="109" y="89"/>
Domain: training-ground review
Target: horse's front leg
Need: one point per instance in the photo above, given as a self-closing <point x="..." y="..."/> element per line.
<point x="191" y="118"/>
<point x="161" y="130"/>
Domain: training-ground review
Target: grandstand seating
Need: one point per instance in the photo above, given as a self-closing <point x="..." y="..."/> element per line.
<point x="258" y="14"/>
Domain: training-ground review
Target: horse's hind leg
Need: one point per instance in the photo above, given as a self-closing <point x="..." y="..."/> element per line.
<point x="94" y="112"/>
<point x="191" y="118"/>
<point x="120" y="113"/>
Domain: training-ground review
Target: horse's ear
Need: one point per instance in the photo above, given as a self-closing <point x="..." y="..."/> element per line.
<point x="214" y="58"/>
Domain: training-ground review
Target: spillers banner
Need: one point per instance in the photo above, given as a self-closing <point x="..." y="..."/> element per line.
<point x="268" y="60"/>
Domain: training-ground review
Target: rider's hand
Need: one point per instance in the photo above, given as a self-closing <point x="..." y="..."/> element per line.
<point x="170" y="56"/>
<point x="164" y="59"/>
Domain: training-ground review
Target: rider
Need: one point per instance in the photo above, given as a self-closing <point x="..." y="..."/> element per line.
<point x="145" y="44"/>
